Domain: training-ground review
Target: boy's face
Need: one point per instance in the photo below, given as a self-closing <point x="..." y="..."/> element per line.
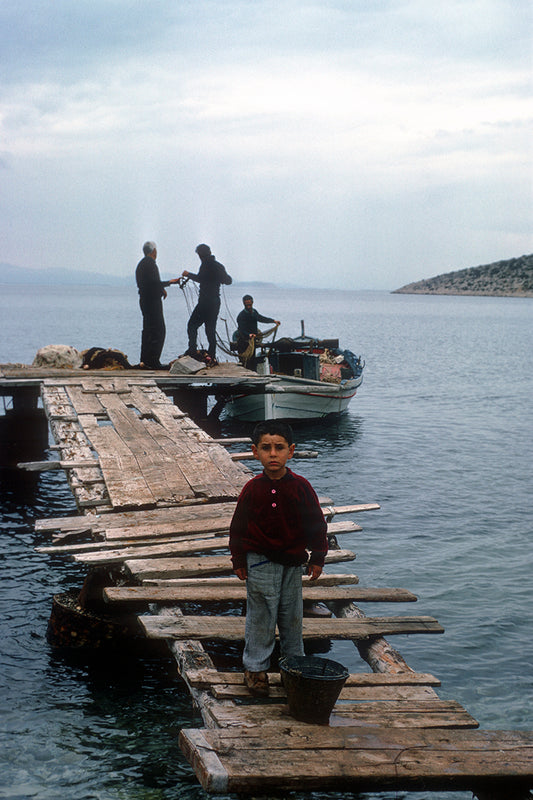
<point x="273" y="451"/>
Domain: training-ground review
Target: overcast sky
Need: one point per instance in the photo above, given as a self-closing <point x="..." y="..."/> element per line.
<point x="356" y="143"/>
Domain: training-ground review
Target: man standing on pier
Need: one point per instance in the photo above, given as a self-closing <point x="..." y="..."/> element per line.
<point x="151" y="294"/>
<point x="210" y="275"/>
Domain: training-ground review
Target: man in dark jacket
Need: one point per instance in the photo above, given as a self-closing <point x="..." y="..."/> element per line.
<point x="151" y="293"/>
<point x="247" y="329"/>
<point x="249" y="317"/>
<point x="210" y="275"/>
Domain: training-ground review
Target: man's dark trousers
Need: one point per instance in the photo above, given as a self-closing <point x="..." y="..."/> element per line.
<point x="153" y="333"/>
<point x="205" y="313"/>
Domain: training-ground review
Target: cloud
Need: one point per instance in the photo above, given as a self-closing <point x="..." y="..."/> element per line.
<point x="263" y="126"/>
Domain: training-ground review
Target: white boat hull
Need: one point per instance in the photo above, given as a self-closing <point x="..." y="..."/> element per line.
<point x="294" y="399"/>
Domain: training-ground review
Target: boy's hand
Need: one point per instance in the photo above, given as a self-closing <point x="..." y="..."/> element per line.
<point x="241" y="573"/>
<point x="314" y="571"/>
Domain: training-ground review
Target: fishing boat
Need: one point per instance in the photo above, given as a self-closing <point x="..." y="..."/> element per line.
<point x="314" y="379"/>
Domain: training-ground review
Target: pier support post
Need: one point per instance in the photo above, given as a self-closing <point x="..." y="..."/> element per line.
<point x="193" y="403"/>
<point x="23" y="429"/>
<point x="377" y="652"/>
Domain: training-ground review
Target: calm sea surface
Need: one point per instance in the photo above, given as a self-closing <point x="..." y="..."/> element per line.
<point x="440" y="435"/>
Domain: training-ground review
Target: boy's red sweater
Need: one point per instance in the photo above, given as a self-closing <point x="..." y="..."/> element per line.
<point x="280" y="519"/>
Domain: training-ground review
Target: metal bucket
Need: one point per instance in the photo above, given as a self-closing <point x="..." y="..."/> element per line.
<point x="313" y="686"/>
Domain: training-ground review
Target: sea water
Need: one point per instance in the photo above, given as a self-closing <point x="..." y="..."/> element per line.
<point x="440" y="435"/>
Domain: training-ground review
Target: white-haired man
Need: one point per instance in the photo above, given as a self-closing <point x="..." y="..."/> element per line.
<point x="151" y="294"/>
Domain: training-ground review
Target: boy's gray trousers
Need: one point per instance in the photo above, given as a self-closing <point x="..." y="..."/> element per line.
<point x="274" y="596"/>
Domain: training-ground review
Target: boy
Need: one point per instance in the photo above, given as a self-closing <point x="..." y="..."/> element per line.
<point x="277" y="518"/>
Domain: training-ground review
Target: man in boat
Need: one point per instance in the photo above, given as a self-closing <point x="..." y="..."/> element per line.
<point x="247" y="330"/>
<point x="152" y="292"/>
<point x="210" y="276"/>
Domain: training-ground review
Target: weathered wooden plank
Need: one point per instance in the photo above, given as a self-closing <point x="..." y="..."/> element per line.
<point x="356" y="694"/>
<point x="84" y="402"/>
<point x="151" y="545"/>
<point x="174" y="548"/>
<point x="142" y="400"/>
<point x="98" y="545"/>
<point x="152" y="548"/>
<point x="352" y="509"/>
<point x="326" y="579"/>
<point x="400" y="714"/>
<point x="207" y="565"/>
<point x="231" y="628"/>
<point x="156" y="456"/>
<point x="232" y="440"/>
<point x="125" y="483"/>
<point x="202" y="522"/>
<point x="161" y="568"/>
<point x="73" y="446"/>
<point x="358" y="759"/>
<point x="234" y="474"/>
<point x="158" y="466"/>
<point x="298" y="454"/>
<point x="237" y="592"/>
<point x="134" y="519"/>
<point x="219" y="476"/>
<point x="49" y="466"/>
<point x="212" y="677"/>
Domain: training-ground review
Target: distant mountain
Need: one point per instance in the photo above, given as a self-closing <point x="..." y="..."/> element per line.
<point x="69" y="277"/>
<point x="512" y="278"/>
<point x="59" y="276"/>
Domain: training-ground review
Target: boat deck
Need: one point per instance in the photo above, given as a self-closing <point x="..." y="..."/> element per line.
<point x="156" y="495"/>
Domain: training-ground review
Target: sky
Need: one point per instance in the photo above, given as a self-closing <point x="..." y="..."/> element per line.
<point x="324" y="143"/>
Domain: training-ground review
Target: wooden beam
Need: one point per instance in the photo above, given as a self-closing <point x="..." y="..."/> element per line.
<point x="353" y="694"/>
<point x="353" y="509"/>
<point x="48" y="466"/>
<point x="165" y="543"/>
<point x="396" y="714"/>
<point x="307" y="758"/>
<point x="133" y="519"/>
<point x="231" y="440"/>
<point x="326" y="579"/>
<point x="231" y="628"/>
<point x="237" y="592"/>
<point x="201" y="566"/>
<point x="248" y="455"/>
<point x="377" y="652"/>
<point x="212" y="677"/>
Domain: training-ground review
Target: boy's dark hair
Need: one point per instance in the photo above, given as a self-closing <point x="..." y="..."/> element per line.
<point x="272" y="427"/>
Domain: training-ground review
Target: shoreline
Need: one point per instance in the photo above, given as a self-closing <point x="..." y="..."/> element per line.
<point x="456" y="293"/>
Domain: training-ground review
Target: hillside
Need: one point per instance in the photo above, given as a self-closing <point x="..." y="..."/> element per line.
<point x="11" y="274"/>
<point x="60" y="276"/>
<point x="511" y="278"/>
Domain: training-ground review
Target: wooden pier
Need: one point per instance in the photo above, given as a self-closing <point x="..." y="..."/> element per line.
<point x="191" y="392"/>
<point x="155" y="495"/>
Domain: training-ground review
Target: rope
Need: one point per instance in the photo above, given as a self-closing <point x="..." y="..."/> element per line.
<point x="250" y="350"/>
<point x="229" y="314"/>
<point x="248" y="353"/>
<point x="191" y="291"/>
<point x="262" y="334"/>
